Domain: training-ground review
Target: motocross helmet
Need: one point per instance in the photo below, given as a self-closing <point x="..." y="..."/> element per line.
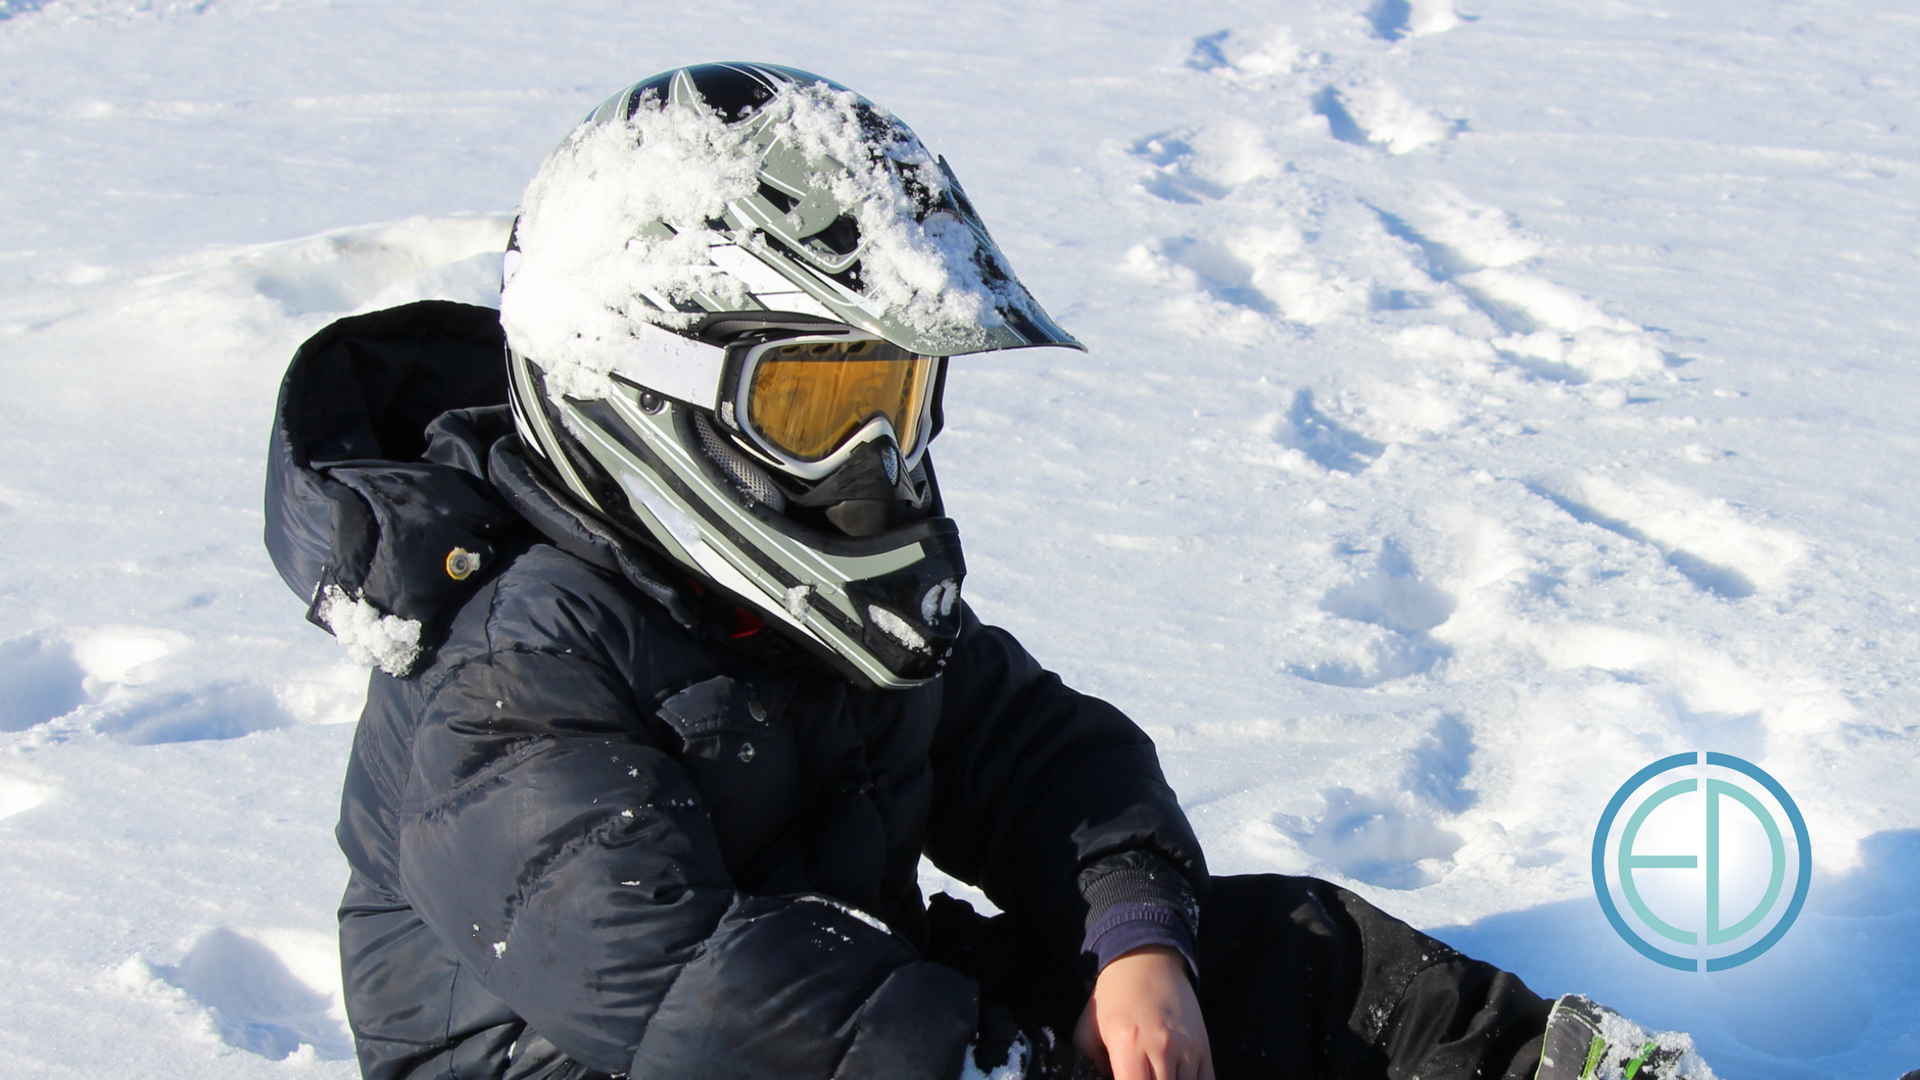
<point x="729" y="301"/>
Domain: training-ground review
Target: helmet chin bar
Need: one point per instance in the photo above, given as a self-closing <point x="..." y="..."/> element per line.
<point x="913" y="614"/>
<point x="883" y="609"/>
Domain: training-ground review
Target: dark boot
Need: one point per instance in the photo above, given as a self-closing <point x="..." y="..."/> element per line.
<point x="1588" y="1041"/>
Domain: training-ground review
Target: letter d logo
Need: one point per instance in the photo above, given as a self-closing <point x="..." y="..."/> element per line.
<point x="1734" y="810"/>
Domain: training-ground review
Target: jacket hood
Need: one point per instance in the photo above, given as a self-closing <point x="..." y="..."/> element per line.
<point x="378" y="511"/>
<point x="396" y="486"/>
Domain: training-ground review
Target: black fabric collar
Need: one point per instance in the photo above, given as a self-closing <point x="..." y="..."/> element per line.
<point x="580" y="534"/>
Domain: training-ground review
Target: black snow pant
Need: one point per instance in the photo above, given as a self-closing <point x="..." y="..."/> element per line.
<point x="1299" y="980"/>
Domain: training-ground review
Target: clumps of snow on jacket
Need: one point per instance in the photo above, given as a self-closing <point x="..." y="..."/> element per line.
<point x="371" y="637"/>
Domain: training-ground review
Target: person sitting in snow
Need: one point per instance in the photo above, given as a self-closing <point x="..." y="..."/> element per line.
<point x="677" y="686"/>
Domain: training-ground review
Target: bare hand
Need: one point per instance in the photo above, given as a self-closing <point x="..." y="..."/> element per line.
<point x="1143" y="1022"/>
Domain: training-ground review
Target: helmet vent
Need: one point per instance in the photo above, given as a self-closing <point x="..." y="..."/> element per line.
<point x="750" y="478"/>
<point x="842" y="237"/>
<point x="781" y="201"/>
<point x="939" y="600"/>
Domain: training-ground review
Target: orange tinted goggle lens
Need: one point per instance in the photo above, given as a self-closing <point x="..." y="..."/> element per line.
<point x="807" y="398"/>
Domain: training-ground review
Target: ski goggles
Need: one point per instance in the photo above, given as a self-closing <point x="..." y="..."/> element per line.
<point x="808" y="402"/>
<point x="804" y="402"/>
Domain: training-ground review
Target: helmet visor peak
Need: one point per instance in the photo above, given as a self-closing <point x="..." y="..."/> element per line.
<point x="806" y="398"/>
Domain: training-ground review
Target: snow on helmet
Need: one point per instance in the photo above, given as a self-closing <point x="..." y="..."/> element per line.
<point x="729" y="299"/>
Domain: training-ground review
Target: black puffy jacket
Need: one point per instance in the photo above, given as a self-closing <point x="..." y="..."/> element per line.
<point x="591" y="829"/>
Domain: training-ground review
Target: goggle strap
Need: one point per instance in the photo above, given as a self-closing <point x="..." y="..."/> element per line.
<point x="671" y="365"/>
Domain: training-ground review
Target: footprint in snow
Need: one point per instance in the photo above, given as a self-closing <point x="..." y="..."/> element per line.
<point x="1245" y="54"/>
<point x="1331" y="446"/>
<point x="1305" y="440"/>
<point x="1373" y="839"/>
<point x="1722" y="581"/>
<point x="44" y="677"/>
<point x="1207" y="163"/>
<point x="1393" y="20"/>
<point x="1221" y="272"/>
<point x="1366" y="112"/>
<point x="1456" y="235"/>
<point x="1550" y="331"/>
<point x="12" y="8"/>
<point x="254" y="999"/>
<point x="1259" y="274"/>
<point x="1394" y="596"/>
<point x="219" y="711"/>
<point x="1705" y="540"/>
<point x="1403" y="606"/>
<point x="40" y="680"/>
<point x="1437" y="766"/>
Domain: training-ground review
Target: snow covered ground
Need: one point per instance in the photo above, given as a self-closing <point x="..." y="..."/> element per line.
<point x="1482" y="403"/>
